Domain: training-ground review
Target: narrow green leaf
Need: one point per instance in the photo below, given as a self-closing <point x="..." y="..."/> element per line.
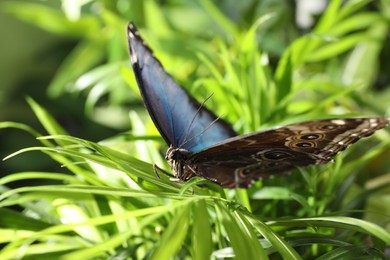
<point x="240" y="235"/>
<point x="280" y="245"/>
<point x="339" y="222"/>
<point x="352" y="6"/>
<point x="357" y="22"/>
<point x="201" y="235"/>
<point x="39" y="175"/>
<point x="362" y="65"/>
<point x="220" y="18"/>
<point x="173" y="237"/>
<point x="329" y="17"/>
<point x="284" y="81"/>
<point x="276" y="193"/>
<point x="101" y="249"/>
<point x="353" y="252"/>
<point x="17" y="221"/>
<point x="47" y="120"/>
<point x="333" y="49"/>
<point x="87" y="54"/>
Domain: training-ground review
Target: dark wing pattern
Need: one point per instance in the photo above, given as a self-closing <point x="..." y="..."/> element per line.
<point x="181" y="120"/>
<point x="239" y="161"/>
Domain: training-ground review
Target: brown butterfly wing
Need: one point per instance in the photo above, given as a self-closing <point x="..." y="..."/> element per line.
<point x="239" y="161"/>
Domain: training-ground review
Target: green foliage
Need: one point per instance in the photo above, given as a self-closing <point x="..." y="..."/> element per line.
<point x="112" y="204"/>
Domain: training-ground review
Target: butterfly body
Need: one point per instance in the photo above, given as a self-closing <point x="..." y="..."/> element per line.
<point x="201" y="144"/>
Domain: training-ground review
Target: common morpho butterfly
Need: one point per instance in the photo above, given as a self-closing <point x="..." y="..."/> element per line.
<point x="201" y="144"/>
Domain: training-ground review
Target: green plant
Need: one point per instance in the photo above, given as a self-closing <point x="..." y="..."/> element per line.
<point x="111" y="204"/>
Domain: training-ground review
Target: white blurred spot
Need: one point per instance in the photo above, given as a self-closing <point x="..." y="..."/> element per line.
<point x="338" y="122"/>
<point x="306" y="9"/>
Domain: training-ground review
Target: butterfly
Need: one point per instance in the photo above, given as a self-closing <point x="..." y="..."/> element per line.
<point x="202" y="144"/>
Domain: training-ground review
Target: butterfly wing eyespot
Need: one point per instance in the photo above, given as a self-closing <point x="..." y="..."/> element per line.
<point x="328" y="127"/>
<point x="245" y="172"/>
<point x="275" y="155"/>
<point x="313" y="136"/>
<point x="304" y="144"/>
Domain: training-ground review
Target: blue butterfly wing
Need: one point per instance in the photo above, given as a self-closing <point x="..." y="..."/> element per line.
<point x="182" y="121"/>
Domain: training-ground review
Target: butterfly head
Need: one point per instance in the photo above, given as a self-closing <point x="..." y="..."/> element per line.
<point x="178" y="159"/>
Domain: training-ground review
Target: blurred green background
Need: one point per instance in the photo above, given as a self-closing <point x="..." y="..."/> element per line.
<point x="264" y="68"/>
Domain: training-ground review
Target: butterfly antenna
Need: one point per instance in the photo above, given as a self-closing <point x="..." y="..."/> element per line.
<point x="201" y="133"/>
<point x="193" y="120"/>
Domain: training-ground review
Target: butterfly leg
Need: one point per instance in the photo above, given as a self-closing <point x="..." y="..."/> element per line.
<point x="157" y="169"/>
